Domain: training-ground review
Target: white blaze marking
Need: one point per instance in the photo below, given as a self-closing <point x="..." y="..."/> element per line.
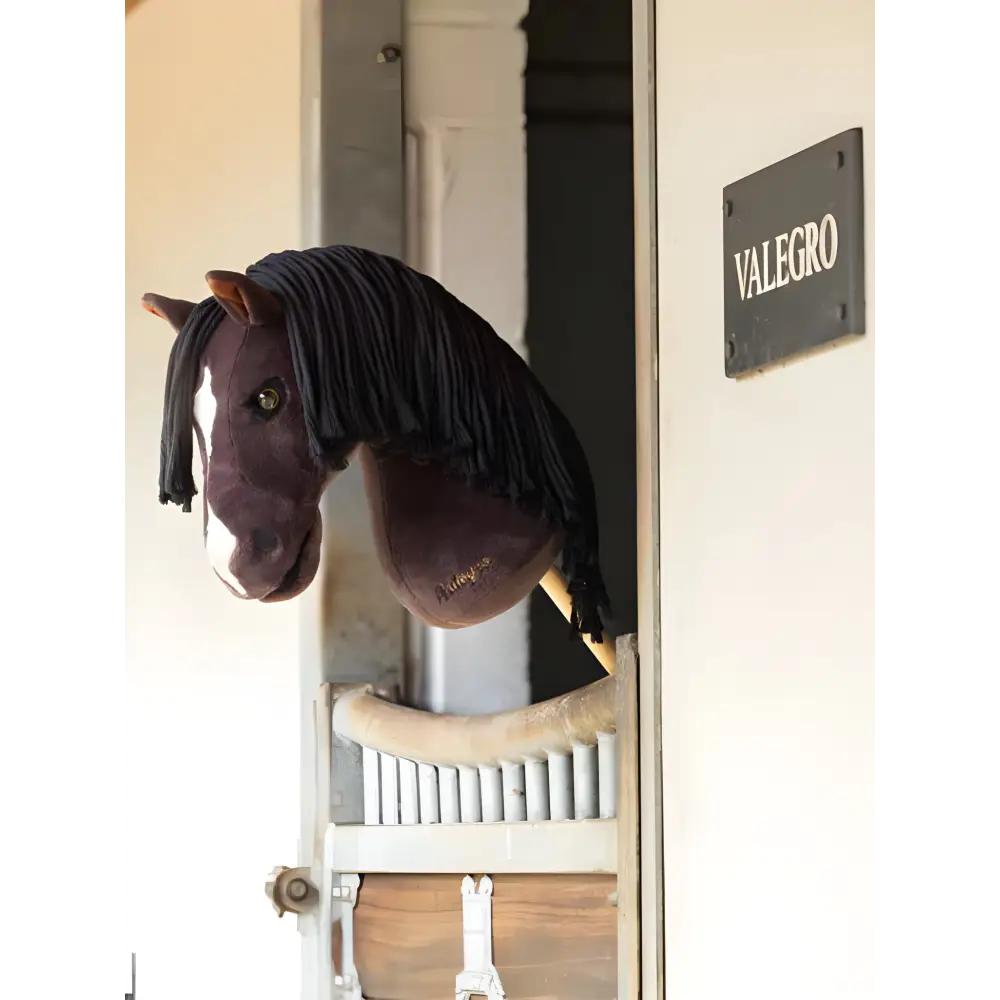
<point x="204" y="411"/>
<point x="220" y="542"/>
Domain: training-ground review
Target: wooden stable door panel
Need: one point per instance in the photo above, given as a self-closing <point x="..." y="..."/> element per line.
<point x="554" y="936"/>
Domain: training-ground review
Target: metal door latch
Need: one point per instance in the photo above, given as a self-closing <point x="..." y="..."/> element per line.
<point x="479" y="977"/>
<point x="344" y="897"/>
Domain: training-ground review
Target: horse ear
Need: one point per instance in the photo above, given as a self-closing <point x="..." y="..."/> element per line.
<point x="246" y="301"/>
<point x="174" y="311"/>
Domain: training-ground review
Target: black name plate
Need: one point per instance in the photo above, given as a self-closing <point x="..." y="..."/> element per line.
<point x="793" y="245"/>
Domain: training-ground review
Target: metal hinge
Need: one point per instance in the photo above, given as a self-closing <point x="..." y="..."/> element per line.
<point x="290" y="890"/>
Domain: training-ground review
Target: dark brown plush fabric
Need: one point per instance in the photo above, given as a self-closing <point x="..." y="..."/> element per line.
<point x="262" y="481"/>
<point x="453" y="555"/>
<point x="368" y="352"/>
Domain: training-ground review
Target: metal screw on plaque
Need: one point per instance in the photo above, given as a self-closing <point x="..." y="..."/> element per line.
<point x="388" y="54"/>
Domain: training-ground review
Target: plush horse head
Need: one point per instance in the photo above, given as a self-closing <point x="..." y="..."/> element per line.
<point x="475" y="480"/>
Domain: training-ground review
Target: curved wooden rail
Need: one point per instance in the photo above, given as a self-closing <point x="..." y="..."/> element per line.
<point x="553" y="726"/>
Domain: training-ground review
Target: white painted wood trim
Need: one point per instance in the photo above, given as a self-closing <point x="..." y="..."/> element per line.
<point x="566" y="848"/>
<point x="466" y="13"/>
<point x="650" y="715"/>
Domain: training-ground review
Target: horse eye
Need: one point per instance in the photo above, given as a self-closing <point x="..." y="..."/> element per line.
<point x="268" y="400"/>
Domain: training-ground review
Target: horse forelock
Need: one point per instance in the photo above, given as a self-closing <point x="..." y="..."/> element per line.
<point x="183" y="371"/>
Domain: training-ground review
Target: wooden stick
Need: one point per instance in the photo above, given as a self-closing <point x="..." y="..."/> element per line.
<point x="554" y="585"/>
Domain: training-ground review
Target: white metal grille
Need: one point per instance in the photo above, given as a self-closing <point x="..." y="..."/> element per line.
<point x="580" y="783"/>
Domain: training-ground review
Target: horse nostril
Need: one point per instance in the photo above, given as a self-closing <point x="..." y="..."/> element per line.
<point x="263" y="541"/>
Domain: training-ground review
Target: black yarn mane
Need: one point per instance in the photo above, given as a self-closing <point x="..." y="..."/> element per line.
<point x="386" y="356"/>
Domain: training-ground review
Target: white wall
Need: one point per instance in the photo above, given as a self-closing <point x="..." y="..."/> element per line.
<point x="767" y="536"/>
<point x="212" y="181"/>
<point x="467" y="228"/>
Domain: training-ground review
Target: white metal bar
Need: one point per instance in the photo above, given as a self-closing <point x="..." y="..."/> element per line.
<point x="343" y="911"/>
<point x="409" y="808"/>
<point x="324" y="921"/>
<point x="491" y="789"/>
<point x="560" y="786"/>
<point x="588" y="846"/>
<point x="427" y="791"/>
<point x="514" y="807"/>
<point x="323" y="707"/>
<point x="536" y="790"/>
<point x="584" y="782"/>
<point x="470" y="804"/>
<point x="373" y="802"/>
<point x="607" y="775"/>
<point x="448" y="785"/>
<point x="389" y="777"/>
<point x="317" y="968"/>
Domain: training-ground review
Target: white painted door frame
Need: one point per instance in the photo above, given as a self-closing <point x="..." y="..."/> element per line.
<point x="651" y="929"/>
